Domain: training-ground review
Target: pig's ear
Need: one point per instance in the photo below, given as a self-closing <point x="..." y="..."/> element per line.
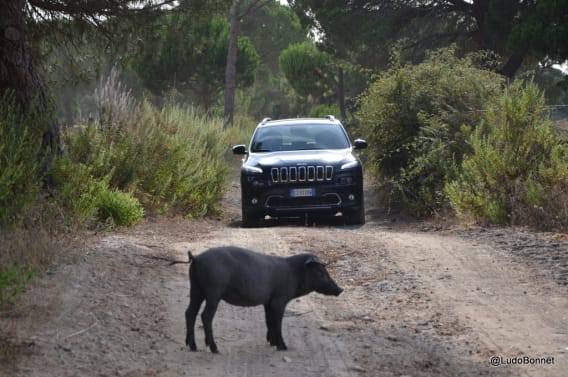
<point x="313" y="259"/>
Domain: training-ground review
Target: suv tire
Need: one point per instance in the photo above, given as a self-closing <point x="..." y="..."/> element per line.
<point x="356" y="218"/>
<point x="250" y="220"/>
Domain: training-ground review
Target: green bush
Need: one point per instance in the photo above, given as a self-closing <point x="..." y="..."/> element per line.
<point x="517" y="172"/>
<point x="417" y="119"/>
<point x="171" y="160"/>
<point x="76" y="190"/>
<point x="19" y="148"/>
<point x="118" y="208"/>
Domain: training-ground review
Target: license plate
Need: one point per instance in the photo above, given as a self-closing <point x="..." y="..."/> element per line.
<point x="302" y="192"/>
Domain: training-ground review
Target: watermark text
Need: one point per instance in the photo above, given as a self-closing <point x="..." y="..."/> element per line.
<point x="521" y="360"/>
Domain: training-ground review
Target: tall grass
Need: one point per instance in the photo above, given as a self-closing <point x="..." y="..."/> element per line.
<point x="170" y="160"/>
<point x="24" y="253"/>
<point x="19" y="148"/>
<point x="241" y="130"/>
<point x="24" y="247"/>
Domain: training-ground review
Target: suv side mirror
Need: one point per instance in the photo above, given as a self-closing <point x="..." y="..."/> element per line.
<point x="360" y="144"/>
<point x="240" y="149"/>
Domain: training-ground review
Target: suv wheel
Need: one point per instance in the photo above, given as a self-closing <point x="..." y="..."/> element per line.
<point x="250" y="220"/>
<point x="356" y="218"/>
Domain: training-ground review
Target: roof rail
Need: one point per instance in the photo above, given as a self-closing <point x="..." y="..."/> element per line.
<point x="330" y="117"/>
<point x="267" y="119"/>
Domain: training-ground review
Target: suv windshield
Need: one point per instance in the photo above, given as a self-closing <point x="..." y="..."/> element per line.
<point x="294" y="137"/>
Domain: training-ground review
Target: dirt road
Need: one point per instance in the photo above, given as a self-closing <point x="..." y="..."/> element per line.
<point x="419" y="300"/>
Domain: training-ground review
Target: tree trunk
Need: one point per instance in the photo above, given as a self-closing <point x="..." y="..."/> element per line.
<point x="341" y="94"/>
<point x="20" y="78"/>
<point x="513" y="64"/>
<point x="231" y="69"/>
<point x="68" y="108"/>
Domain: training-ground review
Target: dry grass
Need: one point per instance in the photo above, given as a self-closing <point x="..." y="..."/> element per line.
<point x="24" y="254"/>
<point x="32" y="248"/>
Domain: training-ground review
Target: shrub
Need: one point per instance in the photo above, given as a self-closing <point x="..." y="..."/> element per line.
<point x="24" y="250"/>
<point x="74" y="185"/>
<point x="417" y="119"/>
<point x="517" y="172"/>
<point x="118" y="208"/>
<point x="171" y="160"/>
<point x="181" y="161"/>
<point x="19" y="148"/>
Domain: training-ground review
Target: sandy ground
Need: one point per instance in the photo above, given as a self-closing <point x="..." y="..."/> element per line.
<point x="420" y="300"/>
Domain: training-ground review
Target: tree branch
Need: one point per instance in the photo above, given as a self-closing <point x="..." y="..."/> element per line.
<point x="253" y="7"/>
<point x="461" y="5"/>
<point x="92" y="8"/>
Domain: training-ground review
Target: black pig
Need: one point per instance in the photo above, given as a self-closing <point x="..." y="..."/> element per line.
<point x="244" y="278"/>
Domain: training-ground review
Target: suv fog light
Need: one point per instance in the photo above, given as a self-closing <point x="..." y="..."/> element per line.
<point x="351" y="197"/>
<point x="254" y="201"/>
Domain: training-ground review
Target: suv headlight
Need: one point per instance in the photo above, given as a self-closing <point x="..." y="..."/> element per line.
<point x="253" y="169"/>
<point x="349" y="165"/>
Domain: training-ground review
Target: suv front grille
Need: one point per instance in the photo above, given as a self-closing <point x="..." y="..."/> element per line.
<point x="311" y="173"/>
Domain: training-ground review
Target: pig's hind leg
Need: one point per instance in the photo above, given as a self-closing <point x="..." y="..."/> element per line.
<point x="207" y="318"/>
<point x="196" y="299"/>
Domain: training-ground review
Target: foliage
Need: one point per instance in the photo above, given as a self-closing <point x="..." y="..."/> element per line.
<point x="190" y="57"/>
<point x="350" y="30"/>
<point x="360" y="31"/>
<point x="306" y="69"/>
<point x="321" y="111"/>
<point x="12" y="280"/>
<point x="114" y="103"/>
<point x="19" y="148"/>
<point x="271" y="29"/>
<point x="545" y="30"/>
<point x="76" y="186"/>
<point x="517" y="172"/>
<point x="170" y="160"/>
<point x="240" y="133"/>
<point x="118" y="208"/>
<point x="172" y="163"/>
<point x="417" y="120"/>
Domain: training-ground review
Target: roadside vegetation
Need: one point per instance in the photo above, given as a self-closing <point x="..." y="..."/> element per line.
<point x="517" y="170"/>
<point x="448" y="135"/>
<point x="417" y="119"/>
<point x="135" y="161"/>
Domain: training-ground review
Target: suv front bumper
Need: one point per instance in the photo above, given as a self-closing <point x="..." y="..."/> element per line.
<point x="279" y="200"/>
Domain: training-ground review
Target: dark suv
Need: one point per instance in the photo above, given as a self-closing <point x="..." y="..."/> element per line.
<point x="299" y="167"/>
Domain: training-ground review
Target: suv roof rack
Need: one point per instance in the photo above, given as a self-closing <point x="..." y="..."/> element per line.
<point x="267" y="119"/>
<point x="330" y="117"/>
